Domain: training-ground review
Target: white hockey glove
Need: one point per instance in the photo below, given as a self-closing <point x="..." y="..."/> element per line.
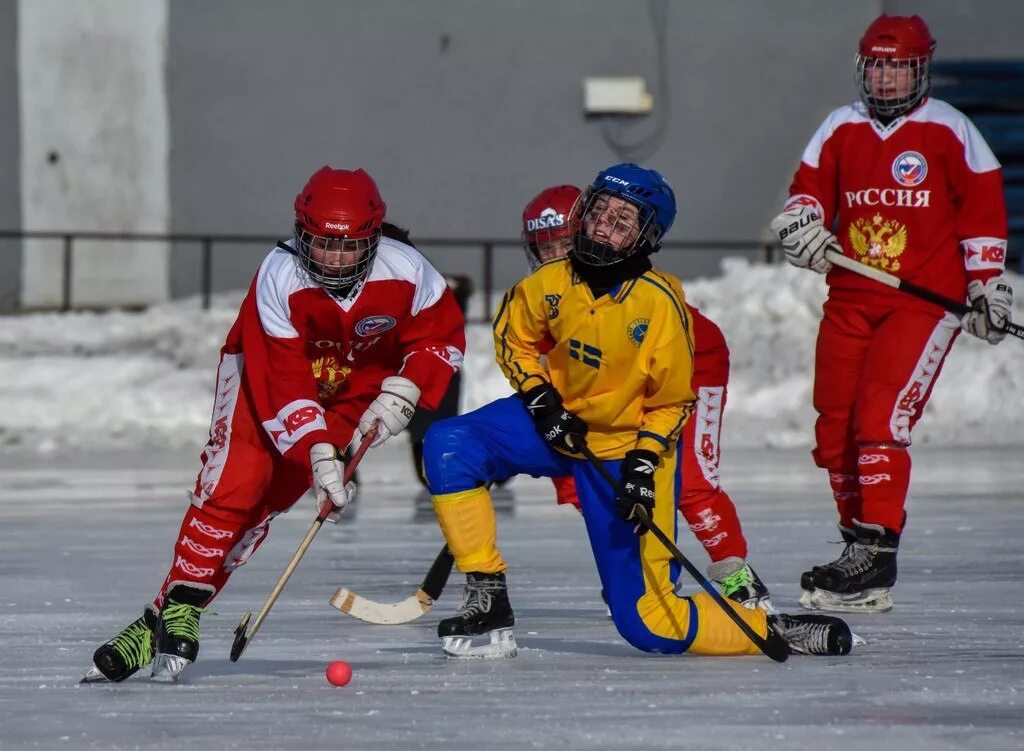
<point x="804" y="238"/>
<point x="992" y="303"/>
<point x="393" y="409"/>
<point x="329" y="481"/>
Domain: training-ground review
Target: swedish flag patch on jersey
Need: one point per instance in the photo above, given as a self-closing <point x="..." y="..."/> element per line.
<point x="637" y="330"/>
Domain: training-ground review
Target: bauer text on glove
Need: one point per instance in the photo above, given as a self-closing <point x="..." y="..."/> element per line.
<point x="804" y="238"/>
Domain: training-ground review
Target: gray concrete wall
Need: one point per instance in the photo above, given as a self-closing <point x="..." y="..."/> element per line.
<point x="463" y="110"/>
<point x="973" y="29"/>
<point x="10" y="163"/>
<point x="94" y="147"/>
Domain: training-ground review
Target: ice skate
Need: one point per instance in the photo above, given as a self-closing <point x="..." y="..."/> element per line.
<point x="177" y="632"/>
<point x="807" y="577"/>
<point x="860" y="581"/>
<point x="741" y="583"/>
<point x="125" y="654"/>
<point x="482" y="626"/>
<point x="813" y="634"/>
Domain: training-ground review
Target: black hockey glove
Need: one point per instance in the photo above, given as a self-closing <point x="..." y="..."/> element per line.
<point x="637" y="486"/>
<point x="558" y="426"/>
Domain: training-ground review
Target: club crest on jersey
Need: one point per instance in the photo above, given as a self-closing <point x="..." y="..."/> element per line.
<point x="373" y="325"/>
<point x="910" y="168"/>
<point x="878" y="242"/>
<point x="637" y="330"/>
<point x="329" y="374"/>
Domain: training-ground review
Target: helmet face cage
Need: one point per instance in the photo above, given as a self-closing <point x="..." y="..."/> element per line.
<point x="546" y="245"/>
<point x="891" y="87"/>
<point x="627" y="226"/>
<point x="336" y="263"/>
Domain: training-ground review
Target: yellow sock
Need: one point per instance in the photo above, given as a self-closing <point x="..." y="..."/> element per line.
<point x="718" y="635"/>
<point x="468" y="524"/>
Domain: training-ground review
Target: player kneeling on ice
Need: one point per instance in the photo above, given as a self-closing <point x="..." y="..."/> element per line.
<point x="341" y="329"/>
<point x="707" y="508"/>
<point x="618" y="374"/>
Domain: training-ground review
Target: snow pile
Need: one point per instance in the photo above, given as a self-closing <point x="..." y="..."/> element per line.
<point x="129" y="379"/>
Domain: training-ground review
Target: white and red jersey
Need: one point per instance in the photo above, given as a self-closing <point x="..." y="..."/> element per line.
<point x="921" y="198"/>
<point x="303" y="350"/>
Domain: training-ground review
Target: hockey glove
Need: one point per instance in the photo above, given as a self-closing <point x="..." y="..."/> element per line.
<point x="992" y="303"/>
<point x="394" y="408"/>
<point x="637" y="475"/>
<point x="329" y="487"/>
<point x="804" y="238"/>
<point x="558" y="426"/>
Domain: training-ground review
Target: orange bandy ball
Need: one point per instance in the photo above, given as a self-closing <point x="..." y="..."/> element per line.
<point x="339" y="673"/>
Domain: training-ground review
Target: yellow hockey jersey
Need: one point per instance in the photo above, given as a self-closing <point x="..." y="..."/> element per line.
<point x="623" y="362"/>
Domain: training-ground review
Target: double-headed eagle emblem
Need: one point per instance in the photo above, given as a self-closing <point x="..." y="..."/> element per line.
<point x="878" y="242"/>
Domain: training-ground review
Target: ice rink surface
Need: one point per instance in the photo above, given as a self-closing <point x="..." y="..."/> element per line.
<point x="86" y="538"/>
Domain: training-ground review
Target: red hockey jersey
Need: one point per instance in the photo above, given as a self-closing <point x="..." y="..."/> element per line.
<point x="921" y="198"/>
<point x="303" y="350"/>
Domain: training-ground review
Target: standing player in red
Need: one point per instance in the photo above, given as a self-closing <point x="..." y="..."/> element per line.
<point x="707" y="508"/>
<point x="910" y="187"/>
<point x="341" y="329"/>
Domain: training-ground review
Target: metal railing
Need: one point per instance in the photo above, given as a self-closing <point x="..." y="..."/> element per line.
<point x="208" y="243"/>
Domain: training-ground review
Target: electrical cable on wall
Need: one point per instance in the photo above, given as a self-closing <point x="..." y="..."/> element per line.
<point x="614" y="127"/>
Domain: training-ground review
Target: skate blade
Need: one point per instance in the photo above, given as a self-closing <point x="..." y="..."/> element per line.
<point x="502" y="643"/>
<point x="868" y="601"/>
<point x="807" y="599"/>
<point x="94" y="676"/>
<point x="167" y="668"/>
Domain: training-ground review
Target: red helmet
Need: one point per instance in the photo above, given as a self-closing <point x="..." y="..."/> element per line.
<point x="893" y="64"/>
<point x="338" y="216"/>
<point x="546" y="221"/>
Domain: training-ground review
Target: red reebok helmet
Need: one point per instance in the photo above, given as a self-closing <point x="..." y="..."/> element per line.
<point x="547" y="218"/>
<point x="338" y="216"/>
<point x="893" y="64"/>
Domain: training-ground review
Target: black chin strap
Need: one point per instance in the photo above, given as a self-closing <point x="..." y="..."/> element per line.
<point x="601" y="279"/>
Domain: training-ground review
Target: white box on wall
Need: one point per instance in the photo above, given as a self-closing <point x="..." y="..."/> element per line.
<point x="622" y="95"/>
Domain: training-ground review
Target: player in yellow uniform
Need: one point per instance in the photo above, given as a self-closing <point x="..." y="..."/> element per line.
<point x="619" y="361"/>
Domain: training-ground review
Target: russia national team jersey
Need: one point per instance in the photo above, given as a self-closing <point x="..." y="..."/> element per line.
<point x="623" y="362"/>
<point x="921" y="198"/>
<point x="303" y="350"/>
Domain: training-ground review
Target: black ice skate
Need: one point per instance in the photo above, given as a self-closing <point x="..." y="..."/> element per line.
<point x="860" y="581"/>
<point x="177" y="632"/>
<point x="741" y="583"/>
<point x="127" y="653"/>
<point x="812" y="634"/>
<point x="807" y="577"/>
<point x="485" y="612"/>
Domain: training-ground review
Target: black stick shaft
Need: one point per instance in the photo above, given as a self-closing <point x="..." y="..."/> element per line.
<point x="779" y="655"/>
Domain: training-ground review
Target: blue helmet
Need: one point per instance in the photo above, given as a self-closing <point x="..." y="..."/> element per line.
<point x="647" y="190"/>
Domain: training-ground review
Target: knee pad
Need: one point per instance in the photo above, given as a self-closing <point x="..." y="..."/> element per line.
<point x="453" y="458"/>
